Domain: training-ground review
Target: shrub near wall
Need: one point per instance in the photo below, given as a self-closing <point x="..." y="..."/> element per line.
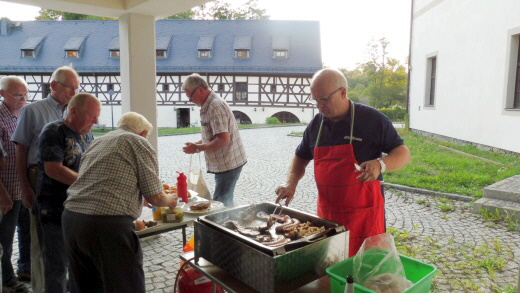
<point x="272" y="120"/>
<point x="394" y="113"/>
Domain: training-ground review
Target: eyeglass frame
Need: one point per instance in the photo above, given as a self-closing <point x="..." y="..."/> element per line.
<point x="192" y="93"/>
<point x="19" y="97"/>
<point x="325" y="100"/>
<point x="76" y="90"/>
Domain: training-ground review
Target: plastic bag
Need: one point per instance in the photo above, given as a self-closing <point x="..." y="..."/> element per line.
<point x="196" y="181"/>
<point x="377" y="265"/>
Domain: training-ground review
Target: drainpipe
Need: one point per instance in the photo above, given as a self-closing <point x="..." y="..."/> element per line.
<point x="409" y="63"/>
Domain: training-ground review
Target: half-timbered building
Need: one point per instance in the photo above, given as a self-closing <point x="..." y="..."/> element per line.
<point x="262" y="68"/>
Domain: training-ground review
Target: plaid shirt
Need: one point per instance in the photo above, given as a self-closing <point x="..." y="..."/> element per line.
<point x="216" y="117"/>
<point x="8" y="174"/>
<point x="116" y="171"/>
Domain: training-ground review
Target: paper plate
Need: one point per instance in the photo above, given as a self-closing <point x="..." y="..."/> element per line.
<point x="215" y="206"/>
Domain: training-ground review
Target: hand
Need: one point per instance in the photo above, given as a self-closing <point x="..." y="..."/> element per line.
<point x="6" y="204"/>
<point x="146" y="203"/>
<point x="190" y="148"/>
<point x="28" y="196"/>
<point x="174" y="201"/>
<point x="371" y="170"/>
<point x="285" y="191"/>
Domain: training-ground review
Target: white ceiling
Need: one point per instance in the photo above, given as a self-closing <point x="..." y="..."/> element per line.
<point x="116" y="8"/>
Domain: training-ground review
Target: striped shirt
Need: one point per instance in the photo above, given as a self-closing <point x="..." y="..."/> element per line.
<point x="8" y="174"/>
<point x="216" y="117"/>
<point x="116" y="172"/>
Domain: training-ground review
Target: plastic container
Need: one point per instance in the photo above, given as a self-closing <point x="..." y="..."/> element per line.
<point x="182" y="187"/>
<point x="156" y="213"/>
<point x="419" y="273"/>
<point x="172" y="215"/>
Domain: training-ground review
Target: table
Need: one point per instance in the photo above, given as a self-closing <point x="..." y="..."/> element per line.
<point x="230" y="284"/>
<point x="165" y="227"/>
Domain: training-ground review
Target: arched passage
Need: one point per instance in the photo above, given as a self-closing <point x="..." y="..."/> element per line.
<point x="241" y="117"/>
<point x="286" y="117"/>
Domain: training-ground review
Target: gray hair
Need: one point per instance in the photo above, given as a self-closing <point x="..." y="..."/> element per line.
<point x="194" y="81"/>
<point x="134" y="122"/>
<point x="6" y="81"/>
<point x="80" y="101"/>
<point x="332" y="75"/>
<point x="60" y="74"/>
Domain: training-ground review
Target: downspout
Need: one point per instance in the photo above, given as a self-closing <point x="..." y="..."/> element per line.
<point x="409" y="66"/>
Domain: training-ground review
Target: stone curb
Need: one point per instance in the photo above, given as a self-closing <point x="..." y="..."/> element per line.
<point x="274" y="126"/>
<point x="430" y="192"/>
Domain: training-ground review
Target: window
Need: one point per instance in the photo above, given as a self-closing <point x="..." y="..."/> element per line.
<point x="165" y="87"/>
<point x="280" y="54"/>
<point x="273" y="88"/>
<point x="160" y="54"/>
<point x="27" y="53"/>
<point x="430" y="85"/>
<point x="110" y="87"/>
<point x="204" y="54"/>
<point x="220" y="87"/>
<point x="72" y="54"/>
<point x="241" y="91"/>
<point x="46" y="89"/>
<point x="241" y="54"/>
<point x="114" y="54"/>
<point x="516" y="101"/>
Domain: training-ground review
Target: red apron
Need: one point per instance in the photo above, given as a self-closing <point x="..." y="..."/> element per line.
<point x="358" y="205"/>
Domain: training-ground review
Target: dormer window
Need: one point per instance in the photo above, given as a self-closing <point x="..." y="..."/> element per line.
<point x="204" y="54"/>
<point x="72" y="54"/>
<point x="242" y="54"/>
<point x="114" y="54"/>
<point x="160" y="54"/>
<point x="280" y="54"/>
<point x="27" y="53"/>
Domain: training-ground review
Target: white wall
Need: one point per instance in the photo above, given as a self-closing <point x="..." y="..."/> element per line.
<point x="472" y="41"/>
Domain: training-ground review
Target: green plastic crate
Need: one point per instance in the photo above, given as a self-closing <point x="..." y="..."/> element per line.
<point x="419" y="273"/>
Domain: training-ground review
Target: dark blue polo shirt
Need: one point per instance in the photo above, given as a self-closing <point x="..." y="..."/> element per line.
<point x="58" y="143"/>
<point x="373" y="134"/>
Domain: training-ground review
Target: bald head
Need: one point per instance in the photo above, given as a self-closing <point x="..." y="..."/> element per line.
<point x="329" y="90"/>
<point x="331" y="77"/>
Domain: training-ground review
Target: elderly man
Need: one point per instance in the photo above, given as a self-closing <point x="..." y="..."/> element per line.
<point x="64" y="85"/>
<point x="117" y="171"/>
<point x="221" y="143"/>
<point x="341" y="135"/>
<point x="14" y="90"/>
<point x="60" y="147"/>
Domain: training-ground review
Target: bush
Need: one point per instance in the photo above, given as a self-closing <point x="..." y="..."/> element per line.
<point x="272" y="120"/>
<point x="394" y="113"/>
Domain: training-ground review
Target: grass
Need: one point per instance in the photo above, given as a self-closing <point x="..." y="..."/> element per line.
<point x="435" y="167"/>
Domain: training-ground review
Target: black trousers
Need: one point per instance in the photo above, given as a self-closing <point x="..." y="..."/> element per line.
<point x="104" y="253"/>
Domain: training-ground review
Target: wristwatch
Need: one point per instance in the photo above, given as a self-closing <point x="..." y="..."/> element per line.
<point x="383" y="165"/>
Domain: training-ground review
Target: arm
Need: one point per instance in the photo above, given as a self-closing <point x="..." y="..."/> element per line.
<point x="396" y="159"/>
<point x="21" y="152"/>
<point x="296" y="172"/>
<point x="58" y="172"/>
<point x="163" y="200"/>
<point x="6" y="203"/>
<point x="219" y="141"/>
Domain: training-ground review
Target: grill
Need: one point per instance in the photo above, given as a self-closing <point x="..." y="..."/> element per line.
<point x="270" y="269"/>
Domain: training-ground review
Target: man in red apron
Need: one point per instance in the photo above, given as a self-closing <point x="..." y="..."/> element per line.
<point x="342" y="135"/>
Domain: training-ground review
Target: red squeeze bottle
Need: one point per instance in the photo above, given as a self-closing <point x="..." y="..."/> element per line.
<point x="182" y="187"/>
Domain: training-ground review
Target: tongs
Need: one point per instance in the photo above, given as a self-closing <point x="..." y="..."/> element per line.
<point x="281" y="208"/>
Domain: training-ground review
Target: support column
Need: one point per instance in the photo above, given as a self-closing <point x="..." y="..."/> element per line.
<point x="138" y="68"/>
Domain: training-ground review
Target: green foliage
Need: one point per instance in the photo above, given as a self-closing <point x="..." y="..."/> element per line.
<point x="396" y="113"/>
<point x="223" y="9"/>
<point x="272" y="120"/>
<point x="49" y="14"/>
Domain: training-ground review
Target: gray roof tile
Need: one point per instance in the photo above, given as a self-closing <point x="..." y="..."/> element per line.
<point x="31" y="43"/>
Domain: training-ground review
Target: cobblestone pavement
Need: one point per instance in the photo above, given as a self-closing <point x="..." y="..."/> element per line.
<point x="449" y="240"/>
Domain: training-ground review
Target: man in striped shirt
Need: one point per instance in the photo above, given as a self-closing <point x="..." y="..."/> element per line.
<point x="221" y="143"/>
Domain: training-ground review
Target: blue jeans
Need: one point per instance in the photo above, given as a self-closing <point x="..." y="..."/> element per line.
<point x="23" y="230"/>
<point x="225" y="183"/>
<point x="7" y="228"/>
<point x="55" y="258"/>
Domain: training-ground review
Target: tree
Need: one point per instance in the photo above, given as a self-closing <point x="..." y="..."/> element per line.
<point x="49" y="14"/>
<point x="223" y="9"/>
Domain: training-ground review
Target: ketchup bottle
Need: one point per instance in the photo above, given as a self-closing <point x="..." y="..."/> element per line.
<point x="182" y="187"/>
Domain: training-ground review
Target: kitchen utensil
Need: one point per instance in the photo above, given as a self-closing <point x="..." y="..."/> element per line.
<point x="358" y="168"/>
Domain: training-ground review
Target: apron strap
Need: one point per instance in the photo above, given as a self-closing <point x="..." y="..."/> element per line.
<point x="352" y="115"/>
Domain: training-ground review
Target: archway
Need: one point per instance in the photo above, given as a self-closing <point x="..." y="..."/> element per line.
<point x="241" y="117"/>
<point x="286" y="117"/>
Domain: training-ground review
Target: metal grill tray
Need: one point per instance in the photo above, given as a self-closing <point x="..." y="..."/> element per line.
<point x="331" y="228"/>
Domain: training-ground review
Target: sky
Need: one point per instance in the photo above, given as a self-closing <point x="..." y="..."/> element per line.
<point x="347" y="26"/>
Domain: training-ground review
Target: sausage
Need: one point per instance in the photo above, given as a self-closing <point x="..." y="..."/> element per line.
<point x="280" y="242"/>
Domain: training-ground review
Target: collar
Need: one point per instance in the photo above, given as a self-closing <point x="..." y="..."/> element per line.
<point x="5" y="112"/>
<point x="344" y="119"/>
<point x="54" y="103"/>
<point x="208" y="101"/>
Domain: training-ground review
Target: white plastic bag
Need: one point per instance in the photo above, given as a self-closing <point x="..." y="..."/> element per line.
<point x="377" y="265"/>
<point x="196" y="181"/>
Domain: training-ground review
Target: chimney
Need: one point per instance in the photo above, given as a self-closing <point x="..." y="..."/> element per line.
<point x="5" y="26"/>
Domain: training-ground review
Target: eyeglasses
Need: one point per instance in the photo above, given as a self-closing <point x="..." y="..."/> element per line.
<point x="18" y="97"/>
<point x="193" y="92"/>
<point x="68" y="86"/>
<point x="325" y="100"/>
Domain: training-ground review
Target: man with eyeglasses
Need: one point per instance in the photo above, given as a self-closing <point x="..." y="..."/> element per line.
<point x="33" y="117"/>
<point x="221" y="142"/>
<point x="341" y="135"/>
<point x="14" y="91"/>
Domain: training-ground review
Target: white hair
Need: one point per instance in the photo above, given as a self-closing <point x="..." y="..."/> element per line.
<point x="60" y="74"/>
<point x="80" y="101"/>
<point x="194" y="81"/>
<point x="6" y="81"/>
<point x="134" y="122"/>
